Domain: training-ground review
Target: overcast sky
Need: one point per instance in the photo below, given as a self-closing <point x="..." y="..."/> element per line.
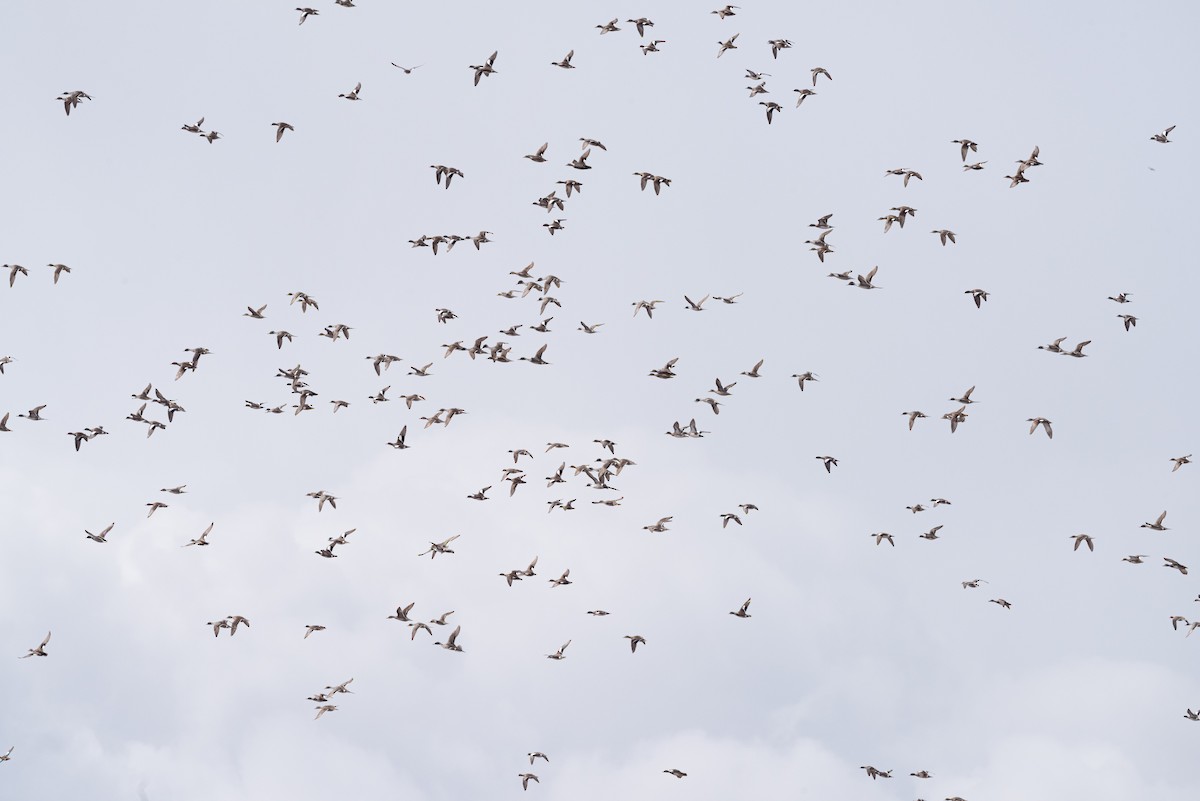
<point x="854" y="654"/>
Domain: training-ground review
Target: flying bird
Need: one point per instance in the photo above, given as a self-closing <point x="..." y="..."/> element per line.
<point x="39" y="651"/>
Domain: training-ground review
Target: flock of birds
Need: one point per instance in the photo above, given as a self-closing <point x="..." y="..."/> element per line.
<point x="598" y="471"/>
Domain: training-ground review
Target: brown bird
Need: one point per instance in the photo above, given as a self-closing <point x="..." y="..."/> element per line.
<point x="1083" y="539"/>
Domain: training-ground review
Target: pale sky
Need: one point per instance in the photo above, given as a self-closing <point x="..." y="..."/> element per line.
<point x="854" y="654"/>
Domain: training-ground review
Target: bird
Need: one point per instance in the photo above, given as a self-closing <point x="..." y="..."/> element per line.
<point x="1171" y="563"/>
<point x="742" y="612"/>
<point x="353" y="94"/>
<point x="440" y="620"/>
<point x="966" y="144"/>
<point x="641" y="23"/>
<point x="828" y="461"/>
<point x="1122" y="297"/>
<point x="71" y="100"/>
<point x="305" y="13"/>
<point x="955" y="417"/>
<point x="39" y="651"/>
<point x="932" y="534"/>
<point x="566" y="62"/>
<point x="202" y="540"/>
<point x="676" y="772"/>
<point x="945" y="234"/>
<point x="311" y="628"/>
<point x="559" y="654"/>
<point x="1157" y="524"/>
<point x="406" y="70"/>
<point x="1040" y="421"/>
<point x="1083" y="539"/>
<point x="321" y="710"/>
<point x="340" y="688"/>
<point x="865" y="283"/>
<point x="13" y="271"/>
<point x="580" y="161"/>
<point x="882" y="536"/>
<point x="874" y="772"/>
<point x="321" y="498"/>
<point x="1180" y="461"/>
<point x="1053" y="347"/>
<point x="7" y="755"/>
<point x="525" y="779"/>
<point x="724" y="12"/>
<point x="779" y="44"/>
<point x="1001" y="602"/>
<point x="913" y="417"/>
<point x="235" y="621"/>
<point x="802" y="377"/>
<point x="1158" y="137"/>
<point x="1078" y="351"/>
<point x="402" y="613"/>
<point x="728" y="44"/>
<point x="486" y="68"/>
<point x="609" y="27"/>
<point x="450" y="644"/>
<point x="440" y="547"/>
<point x="101" y="536"/>
<point x="906" y="174"/>
<point x="539" y="154"/>
<point x="1129" y="320"/>
<point x="966" y="397"/>
<point x="771" y="107"/>
<point x="753" y="371"/>
<point x="194" y="128"/>
<point x="280" y="127"/>
<point x="978" y="295"/>
<point x="801" y="94"/>
<point x="660" y="526"/>
<point x="561" y="580"/>
<point x="634" y="640"/>
<point x="1135" y="559"/>
<point x="59" y="269"/>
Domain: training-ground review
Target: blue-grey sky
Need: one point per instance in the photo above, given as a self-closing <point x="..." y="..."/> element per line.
<point x="855" y="654"/>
